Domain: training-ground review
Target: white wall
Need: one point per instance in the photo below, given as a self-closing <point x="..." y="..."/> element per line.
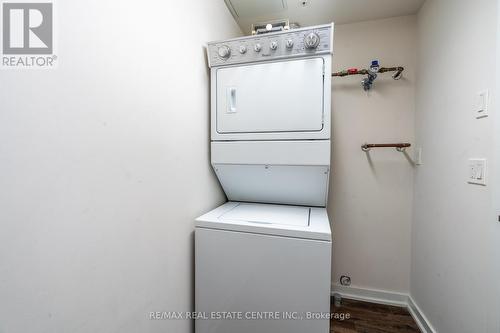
<point x="496" y="178"/>
<point x="104" y="164"/>
<point x="371" y="196"/>
<point x="455" y="236"/>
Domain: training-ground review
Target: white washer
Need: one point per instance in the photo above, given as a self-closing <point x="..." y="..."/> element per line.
<point x="268" y="264"/>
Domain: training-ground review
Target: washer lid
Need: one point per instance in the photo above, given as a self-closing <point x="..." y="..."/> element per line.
<point x="276" y="220"/>
<point x="268" y="214"/>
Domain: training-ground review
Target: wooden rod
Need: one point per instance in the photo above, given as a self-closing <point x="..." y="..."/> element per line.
<point x="399" y="146"/>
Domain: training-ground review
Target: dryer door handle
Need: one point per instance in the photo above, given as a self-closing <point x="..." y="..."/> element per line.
<point x="231" y="100"/>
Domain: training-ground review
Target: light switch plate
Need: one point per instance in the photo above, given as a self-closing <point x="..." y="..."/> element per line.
<point x="482" y="101"/>
<point x="477" y="171"/>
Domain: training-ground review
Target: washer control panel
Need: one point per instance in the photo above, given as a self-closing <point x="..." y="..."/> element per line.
<point x="290" y="43"/>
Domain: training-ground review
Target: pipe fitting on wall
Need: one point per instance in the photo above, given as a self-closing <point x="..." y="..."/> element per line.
<point x="372" y="73"/>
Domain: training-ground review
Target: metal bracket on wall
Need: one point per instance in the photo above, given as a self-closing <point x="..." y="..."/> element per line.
<point x="400" y="147"/>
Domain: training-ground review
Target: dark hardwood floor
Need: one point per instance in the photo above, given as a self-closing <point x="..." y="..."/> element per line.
<point x="371" y="318"/>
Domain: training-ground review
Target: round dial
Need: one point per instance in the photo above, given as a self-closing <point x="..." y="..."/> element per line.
<point x="243" y="49"/>
<point x="289" y="44"/>
<point x="311" y="40"/>
<point x="224" y="52"/>
<point x="257" y="47"/>
<point x="273" y="45"/>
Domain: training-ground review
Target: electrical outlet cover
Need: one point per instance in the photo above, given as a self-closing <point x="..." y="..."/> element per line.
<point x="477" y="171"/>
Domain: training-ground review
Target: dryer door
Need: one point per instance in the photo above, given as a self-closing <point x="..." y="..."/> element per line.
<point x="271" y="97"/>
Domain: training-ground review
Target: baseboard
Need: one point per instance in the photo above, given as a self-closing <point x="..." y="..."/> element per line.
<point x="372" y="295"/>
<point x="419" y="317"/>
<point x="387" y="298"/>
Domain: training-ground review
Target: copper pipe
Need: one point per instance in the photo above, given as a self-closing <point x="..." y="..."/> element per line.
<point x="351" y="71"/>
<point x="354" y="71"/>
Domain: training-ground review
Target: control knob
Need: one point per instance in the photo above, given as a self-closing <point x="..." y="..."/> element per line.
<point x="289" y="44"/>
<point x="243" y="49"/>
<point x="224" y="52"/>
<point x="257" y="47"/>
<point x="311" y="40"/>
<point x="273" y="45"/>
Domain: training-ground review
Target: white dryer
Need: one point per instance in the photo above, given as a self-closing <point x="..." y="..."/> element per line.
<point x="268" y="250"/>
<point x="270" y="116"/>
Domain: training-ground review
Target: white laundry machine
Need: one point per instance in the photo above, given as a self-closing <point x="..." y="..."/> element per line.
<point x="263" y="259"/>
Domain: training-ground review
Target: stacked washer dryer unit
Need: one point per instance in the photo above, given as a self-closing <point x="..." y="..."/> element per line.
<point x="265" y="255"/>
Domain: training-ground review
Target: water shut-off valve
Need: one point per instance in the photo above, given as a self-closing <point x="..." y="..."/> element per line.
<point x="372" y="75"/>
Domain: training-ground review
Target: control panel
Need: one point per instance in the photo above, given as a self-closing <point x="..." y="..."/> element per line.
<point x="289" y="43"/>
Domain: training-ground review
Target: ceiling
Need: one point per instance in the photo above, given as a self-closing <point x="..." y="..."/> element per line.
<point x="316" y="12"/>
